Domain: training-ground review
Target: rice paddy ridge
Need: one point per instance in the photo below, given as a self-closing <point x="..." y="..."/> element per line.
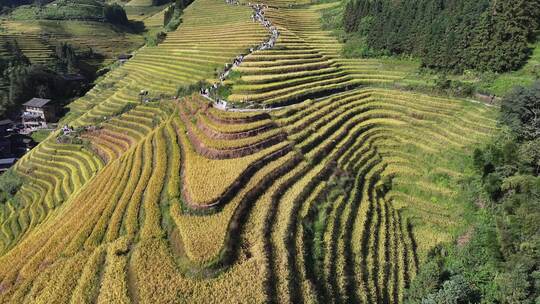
<point x="52" y="174"/>
<point x="33" y="46"/>
<point x="38" y="39"/>
<point x="258" y="101"/>
<point x="177" y="46"/>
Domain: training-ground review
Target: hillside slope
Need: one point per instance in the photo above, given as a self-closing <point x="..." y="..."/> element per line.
<point x="337" y="198"/>
<point x="87" y="25"/>
<point x="39" y="38"/>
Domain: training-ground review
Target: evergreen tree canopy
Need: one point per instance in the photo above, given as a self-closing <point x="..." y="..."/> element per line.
<point x="116" y="14"/>
<point x="453" y="35"/>
<point x="67" y="60"/>
<point x="521" y="112"/>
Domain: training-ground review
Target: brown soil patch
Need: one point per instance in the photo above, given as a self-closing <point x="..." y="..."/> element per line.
<point x="465" y="238"/>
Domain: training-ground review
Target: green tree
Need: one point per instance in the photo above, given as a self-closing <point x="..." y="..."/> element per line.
<point x="10" y="182"/>
<point x="454" y="291"/>
<point x="520" y="110"/>
<point x="451" y="35"/>
<point x="67" y="59"/>
<point x="503" y="35"/>
<point x="350" y="18"/>
<point x="115" y="14"/>
<point x="427" y="281"/>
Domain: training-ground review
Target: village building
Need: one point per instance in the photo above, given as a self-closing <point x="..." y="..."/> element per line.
<point x="6" y="163"/>
<point x="122" y="58"/>
<point x="5" y="147"/>
<point x="73" y="78"/>
<point x="37" y="113"/>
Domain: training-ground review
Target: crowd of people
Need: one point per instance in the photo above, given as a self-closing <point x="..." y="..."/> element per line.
<point x="258" y="15"/>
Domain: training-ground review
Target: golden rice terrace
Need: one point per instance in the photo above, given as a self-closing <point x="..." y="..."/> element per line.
<point x="334" y="196"/>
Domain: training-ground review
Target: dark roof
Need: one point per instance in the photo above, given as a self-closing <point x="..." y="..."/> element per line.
<point x="73" y="77"/>
<point x="36" y="102"/>
<point x="124" y="56"/>
<point x="7" y="161"/>
<point x="4" y="122"/>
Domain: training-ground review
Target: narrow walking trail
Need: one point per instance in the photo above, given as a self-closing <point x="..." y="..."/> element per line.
<point x="257" y="16"/>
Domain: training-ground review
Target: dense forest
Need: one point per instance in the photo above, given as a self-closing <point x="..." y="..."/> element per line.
<point x="454" y="35"/>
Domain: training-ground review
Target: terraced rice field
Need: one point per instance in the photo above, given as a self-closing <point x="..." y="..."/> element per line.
<point x="151" y="16"/>
<point x="337" y="197"/>
<point x="38" y="39"/>
<point x="33" y="46"/>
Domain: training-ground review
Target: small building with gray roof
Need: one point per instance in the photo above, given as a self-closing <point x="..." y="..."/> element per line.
<point x="37" y="113"/>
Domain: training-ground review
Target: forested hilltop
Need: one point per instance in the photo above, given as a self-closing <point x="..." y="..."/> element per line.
<point x="13" y="3"/>
<point x="450" y="35"/>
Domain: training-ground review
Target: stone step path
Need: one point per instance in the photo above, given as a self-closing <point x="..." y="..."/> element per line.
<point x="258" y="15"/>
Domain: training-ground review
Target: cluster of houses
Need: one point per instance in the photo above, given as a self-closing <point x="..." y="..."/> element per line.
<point x="38" y="113"/>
